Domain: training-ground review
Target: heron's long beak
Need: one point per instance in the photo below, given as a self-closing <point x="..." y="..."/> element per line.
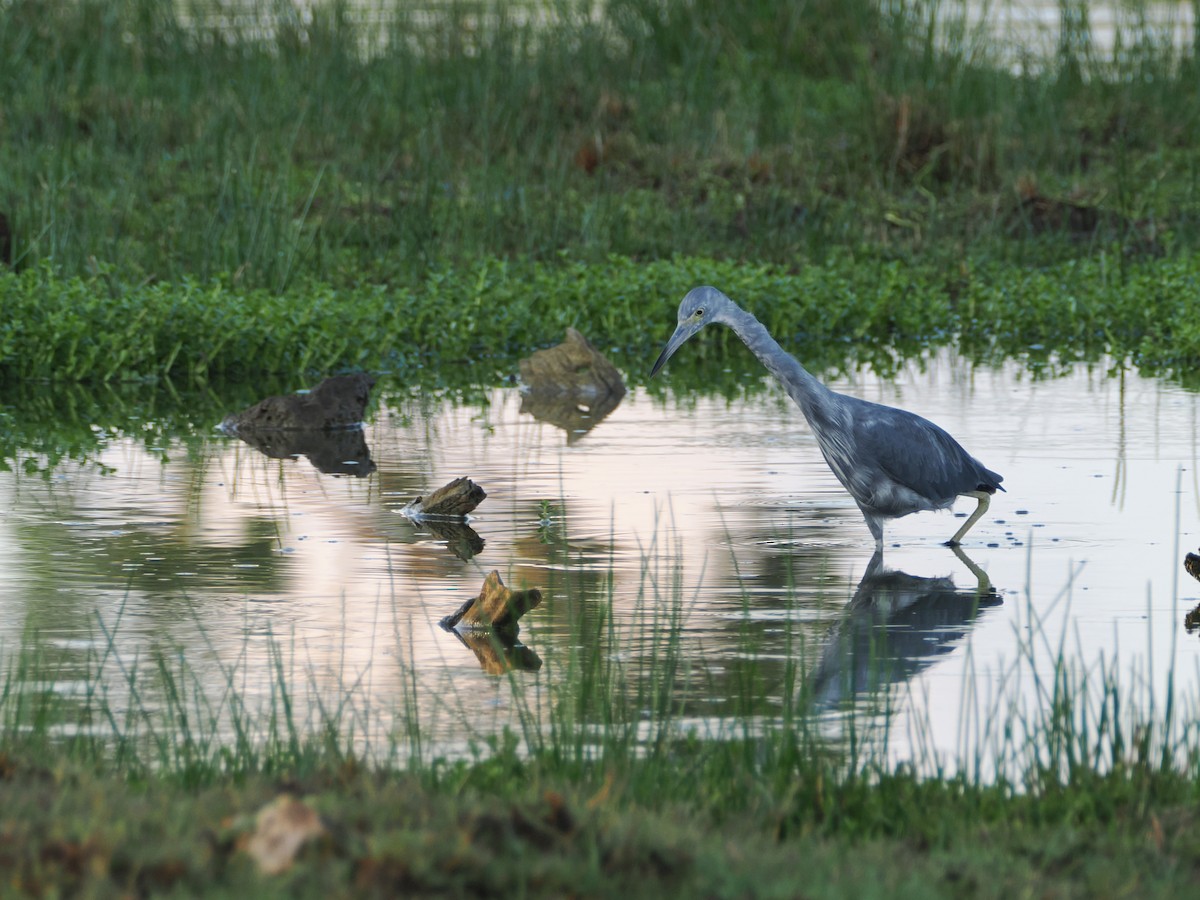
<point x="682" y="333"/>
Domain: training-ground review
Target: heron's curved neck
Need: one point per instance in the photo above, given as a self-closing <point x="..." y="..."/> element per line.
<point x="810" y="395"/>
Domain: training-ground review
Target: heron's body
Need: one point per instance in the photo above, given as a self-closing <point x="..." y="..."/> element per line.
<point x="891" y="461"/>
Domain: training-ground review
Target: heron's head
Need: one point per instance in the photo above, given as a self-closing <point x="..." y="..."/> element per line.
<point x="701" y="305"/>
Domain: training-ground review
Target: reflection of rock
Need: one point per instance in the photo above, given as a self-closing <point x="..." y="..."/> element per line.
<point x="463" y="540"/>
<point x="342" y="452"/>
<point x="571" y="386"/>
<point x="499" y="653"/>
<point x="573" y="415"/>
<point x="496" y="606"/>
<point x="452" y="501"/>
<point x="896" y="625"/>
<point x="337" y="402"/>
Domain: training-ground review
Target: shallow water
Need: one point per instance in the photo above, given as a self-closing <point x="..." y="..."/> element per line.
<point x="708" y="520"/>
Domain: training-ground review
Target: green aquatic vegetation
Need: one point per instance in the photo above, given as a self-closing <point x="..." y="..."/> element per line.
<point x="474" y="323"/>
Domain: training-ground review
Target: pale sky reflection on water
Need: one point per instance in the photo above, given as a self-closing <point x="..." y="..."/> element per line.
<point x="222" y="553"/>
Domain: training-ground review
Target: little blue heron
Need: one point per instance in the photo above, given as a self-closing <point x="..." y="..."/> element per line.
<point x="891" y="461"/>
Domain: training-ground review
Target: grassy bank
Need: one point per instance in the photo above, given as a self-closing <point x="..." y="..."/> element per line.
<point x="265" y="149"/>
<point x="77" y="828"/>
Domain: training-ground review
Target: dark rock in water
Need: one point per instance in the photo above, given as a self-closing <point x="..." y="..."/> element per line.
<point x="574" y="367"/>
<point x="339" y="401"/>
<point x="343" y="452"/>
<point x="453" y="501"/>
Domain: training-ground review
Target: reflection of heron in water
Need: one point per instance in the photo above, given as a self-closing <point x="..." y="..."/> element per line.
<point x="895" y="625"/>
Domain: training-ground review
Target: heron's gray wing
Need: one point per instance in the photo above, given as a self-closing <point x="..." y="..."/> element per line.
<point x="914" y="452"/>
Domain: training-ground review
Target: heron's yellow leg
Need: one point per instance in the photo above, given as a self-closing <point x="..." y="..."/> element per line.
<point x="984" y="501"/>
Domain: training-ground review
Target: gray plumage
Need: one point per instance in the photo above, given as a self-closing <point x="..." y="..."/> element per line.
<point x="892" y="462"/>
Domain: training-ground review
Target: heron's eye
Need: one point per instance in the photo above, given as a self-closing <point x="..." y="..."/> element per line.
<point x="698" y="314"/>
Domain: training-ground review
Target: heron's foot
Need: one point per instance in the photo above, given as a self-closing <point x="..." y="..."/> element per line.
<point x="951" y="543"/>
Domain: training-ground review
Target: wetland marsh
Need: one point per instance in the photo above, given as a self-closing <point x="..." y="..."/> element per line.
<point x="723" y="692"/>
<point x="710" y="523"/>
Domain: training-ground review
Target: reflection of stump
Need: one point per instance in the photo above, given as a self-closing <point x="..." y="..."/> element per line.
<point x="498" y="653"/>
<point x="463" y="540"/>
<point x="337" y="402"/>
<point x="496" y="606"/>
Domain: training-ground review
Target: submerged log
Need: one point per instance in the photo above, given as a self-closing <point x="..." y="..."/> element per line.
<point x="497" y="607"/>
<point x="339" y="401"/>
<point x="453" y="501"/>
<point x="574" y="367"/>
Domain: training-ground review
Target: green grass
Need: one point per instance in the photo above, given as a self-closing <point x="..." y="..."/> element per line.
<point x="157" y="150"/>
